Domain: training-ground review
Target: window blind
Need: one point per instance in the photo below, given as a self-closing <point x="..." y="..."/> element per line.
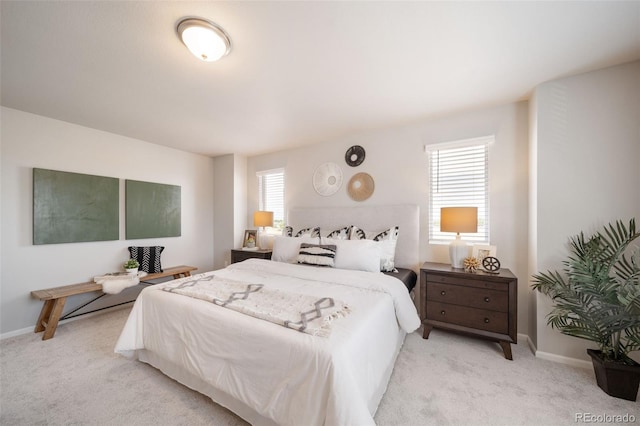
<point x="459" y="177"/>
<point x="271" y="194"/>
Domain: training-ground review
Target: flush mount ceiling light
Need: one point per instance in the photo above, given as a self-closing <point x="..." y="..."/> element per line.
<point x="206" y="40"/>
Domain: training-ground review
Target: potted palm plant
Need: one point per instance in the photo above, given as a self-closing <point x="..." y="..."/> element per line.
<point x="597" y="297"/>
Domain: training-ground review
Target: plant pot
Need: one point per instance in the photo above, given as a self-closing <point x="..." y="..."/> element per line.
<point x="131" y="271"/>
<point x="616" y="379"/>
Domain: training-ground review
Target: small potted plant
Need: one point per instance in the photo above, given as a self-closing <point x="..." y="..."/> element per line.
<point x="131" y="266"/>
<point x="597" y="297"/>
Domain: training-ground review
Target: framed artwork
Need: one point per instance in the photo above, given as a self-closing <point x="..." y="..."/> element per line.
<point x="153" y="210"/>
<point x="481" y="251"/>
<point x="250" y="239"/>
<point x="74" y="207"/>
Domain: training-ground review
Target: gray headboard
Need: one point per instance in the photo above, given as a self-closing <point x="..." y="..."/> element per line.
<point x="369" y="218"/>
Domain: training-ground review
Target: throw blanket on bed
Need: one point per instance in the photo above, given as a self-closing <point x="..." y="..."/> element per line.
<point x="307" y="314"/>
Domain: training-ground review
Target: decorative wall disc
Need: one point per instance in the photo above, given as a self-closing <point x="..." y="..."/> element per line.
<point x="361" y="186"/>
<point x="354" y="155"/>
<point x="327" y="179"/>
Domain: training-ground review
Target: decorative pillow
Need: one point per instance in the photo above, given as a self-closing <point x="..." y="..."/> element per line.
<point x="147" y="257"/>
<point x="316" y="254"/>
<point x="285" y="249"/>
<point x="359" y="255"/>
<point x="306" y="232"/>
<point x="387" y="240"/>
<point x="340" y="234"/>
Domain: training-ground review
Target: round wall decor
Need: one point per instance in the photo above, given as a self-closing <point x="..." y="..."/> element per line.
<point x="354" y="155"/>
<point x="361" y="186"/>
<point x="327" y="179"/>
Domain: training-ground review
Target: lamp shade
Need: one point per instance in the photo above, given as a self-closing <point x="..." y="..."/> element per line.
<point x="206" y="40"/>
<point x="459" y="219"/>
<point x="262" y="218"/>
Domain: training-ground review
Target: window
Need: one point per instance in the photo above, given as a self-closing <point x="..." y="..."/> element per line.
<point x="459" y="176"/>
<point x="271" y="194"/>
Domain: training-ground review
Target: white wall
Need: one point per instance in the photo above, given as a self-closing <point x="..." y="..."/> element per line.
<point x="230" y="209"/>
<point x="396" y="160"/>
<point x="30" y="141"/>
<point x="587" y="144"/>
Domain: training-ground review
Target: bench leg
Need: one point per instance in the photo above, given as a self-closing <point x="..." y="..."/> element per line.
<point x="49" y="317"/>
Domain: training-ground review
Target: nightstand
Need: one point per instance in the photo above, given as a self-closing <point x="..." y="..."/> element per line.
<point x="479" y="304"/>
<point x="238" y="255"/>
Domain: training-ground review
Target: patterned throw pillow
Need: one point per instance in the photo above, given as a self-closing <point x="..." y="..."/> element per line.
<point x="387" y="240"/>
<point x="147" y="257"/>
<point x="316" y="254"/>
<point x="340" y="234"/>
<point x="306" y="232"/>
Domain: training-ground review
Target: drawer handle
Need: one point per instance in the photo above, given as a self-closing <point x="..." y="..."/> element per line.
<point x="486" y="299"/>
<point x="486" y="320"/>
<point x="442" y="293"/>
<point x="443" y="313"/>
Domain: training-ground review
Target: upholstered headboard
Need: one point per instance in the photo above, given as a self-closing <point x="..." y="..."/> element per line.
<point x="370" y="218"/>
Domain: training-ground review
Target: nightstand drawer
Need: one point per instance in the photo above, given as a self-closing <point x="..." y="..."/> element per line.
<point x="480" y="298"/>
<point x="468" y="281"/>
<point x="496" y="322"/>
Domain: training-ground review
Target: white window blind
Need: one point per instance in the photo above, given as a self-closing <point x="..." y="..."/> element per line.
<point x="459" y="177"/>
<point x="271" y="194"/>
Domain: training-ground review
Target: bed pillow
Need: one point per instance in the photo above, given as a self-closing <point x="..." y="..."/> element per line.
<point x="147" y="257"/>
<point x="339" y="234"/>
<point x="316" y="254"/>
<point x="359" y="255"/>
<point x="285" y="249"/>
<point x="387" y="240"/>
<point x="306" y="232"/>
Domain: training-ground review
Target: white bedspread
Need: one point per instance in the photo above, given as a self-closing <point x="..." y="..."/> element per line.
<point x="290" y="377"/>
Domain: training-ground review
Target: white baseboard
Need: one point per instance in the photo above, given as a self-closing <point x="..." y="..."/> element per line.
<point x="574" y="362"/>
<point x="30" y="329"/>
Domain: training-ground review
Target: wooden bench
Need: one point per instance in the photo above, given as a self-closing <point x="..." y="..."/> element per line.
<point x="55" y="298"/>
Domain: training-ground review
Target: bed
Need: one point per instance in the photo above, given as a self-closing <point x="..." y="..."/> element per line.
<point x="269" y="372"/>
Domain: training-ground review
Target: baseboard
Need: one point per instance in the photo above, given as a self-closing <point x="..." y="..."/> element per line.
<point x="28" y="330"/>
<point x="574" y="362"/>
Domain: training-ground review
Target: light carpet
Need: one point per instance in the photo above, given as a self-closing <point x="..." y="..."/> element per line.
<point x="449" y="379"/>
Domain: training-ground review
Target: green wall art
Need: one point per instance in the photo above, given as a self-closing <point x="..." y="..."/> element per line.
<point x="152" y="210"/>
<point x="74" y="207"/>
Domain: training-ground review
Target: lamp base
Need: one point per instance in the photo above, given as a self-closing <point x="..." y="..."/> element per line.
<point x="458" y="251"/>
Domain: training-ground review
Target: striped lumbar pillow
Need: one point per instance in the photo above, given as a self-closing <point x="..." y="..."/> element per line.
<point x="315" y="254"/>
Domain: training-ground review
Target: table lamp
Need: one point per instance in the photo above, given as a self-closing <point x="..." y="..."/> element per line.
<point x="262" y="219"/>
<point x="458" y="219"/>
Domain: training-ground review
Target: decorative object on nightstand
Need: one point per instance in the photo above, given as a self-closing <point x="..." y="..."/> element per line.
<point x="479" y="304"/>
<point x="491" y="264"/>
<point x="471" y="264"/>
<point x="458" y="219"/>
<point x="261" y="219"/>
<point x="249" y="241"/>
<point x="240" y="255"/>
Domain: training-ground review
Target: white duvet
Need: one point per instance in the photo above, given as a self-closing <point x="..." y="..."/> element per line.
<point x="284" y="375"/>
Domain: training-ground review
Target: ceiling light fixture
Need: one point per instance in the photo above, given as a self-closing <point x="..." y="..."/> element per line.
<point x="206" y="40"/>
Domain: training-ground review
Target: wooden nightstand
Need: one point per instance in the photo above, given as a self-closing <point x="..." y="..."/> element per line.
<point x="479" y="304"/>
<point x="238" y="255"/>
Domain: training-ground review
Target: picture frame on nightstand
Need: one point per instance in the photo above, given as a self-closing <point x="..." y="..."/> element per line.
<point x="250" y="241"/>
<point x="480" y="251"/>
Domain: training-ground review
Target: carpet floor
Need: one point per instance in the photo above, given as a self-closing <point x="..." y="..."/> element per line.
<point x="76" y="379"/>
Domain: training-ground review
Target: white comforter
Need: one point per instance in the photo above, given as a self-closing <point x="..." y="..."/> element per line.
<point x="290" y="377"/>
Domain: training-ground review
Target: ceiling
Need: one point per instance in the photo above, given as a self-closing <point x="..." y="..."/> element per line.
<point x="298" y="72"/>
